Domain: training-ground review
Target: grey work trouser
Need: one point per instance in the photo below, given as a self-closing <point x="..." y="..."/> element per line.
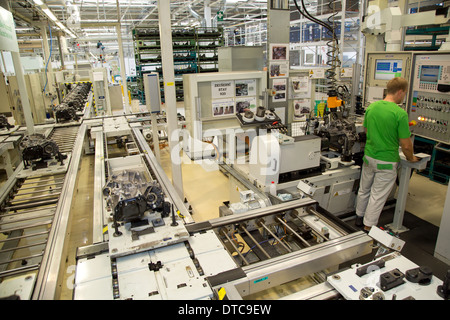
<point x="377" y="179"/>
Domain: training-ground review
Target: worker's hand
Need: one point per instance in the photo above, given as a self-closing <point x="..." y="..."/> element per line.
<point x="414" y="159"/>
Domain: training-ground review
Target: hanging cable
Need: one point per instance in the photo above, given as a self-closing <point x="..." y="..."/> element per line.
<point x="332" y="54"/>
<point x="308" y="16"/>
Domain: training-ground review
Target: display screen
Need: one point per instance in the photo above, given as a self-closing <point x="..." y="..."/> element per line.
<point x="386" y="69"/>
<point x="429" y="73"/>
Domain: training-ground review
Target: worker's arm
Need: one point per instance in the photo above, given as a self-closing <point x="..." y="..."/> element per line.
<point x="408" y="150"/>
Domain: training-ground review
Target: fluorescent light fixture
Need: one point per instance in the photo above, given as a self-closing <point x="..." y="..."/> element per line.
<point x="49" y="14"/>
<point x="60" y="25"/>
<point x="38" y="2"/>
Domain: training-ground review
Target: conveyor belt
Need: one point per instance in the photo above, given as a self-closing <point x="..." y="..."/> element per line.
<point x="27" y="213"/>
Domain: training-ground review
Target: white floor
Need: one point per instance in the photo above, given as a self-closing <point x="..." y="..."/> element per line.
<point x="426" y="199"/>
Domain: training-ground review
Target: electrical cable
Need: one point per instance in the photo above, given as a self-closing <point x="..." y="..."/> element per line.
<point x="332" y="54"/>
<point x="307" y="15"/>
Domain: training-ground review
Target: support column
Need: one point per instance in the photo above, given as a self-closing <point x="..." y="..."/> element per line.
<point x="48" y="61"/>
<point x="165" y="33"/>
<point x="278" y="28"/>
<point x="23" y="92"/>
<point x="123" y="74"/>
<point x="61" y="53"/>
<point x="207" y="11"/>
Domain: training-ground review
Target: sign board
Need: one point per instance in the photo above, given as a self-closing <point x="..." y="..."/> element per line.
<point x="8" y="38"/>
<point x="222" y="89"/>
<point x="219" y="15"/>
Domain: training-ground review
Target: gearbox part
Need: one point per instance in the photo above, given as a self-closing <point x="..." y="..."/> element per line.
<point x="37" y="150"/>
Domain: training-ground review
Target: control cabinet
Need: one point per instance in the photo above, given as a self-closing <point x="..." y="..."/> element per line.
<point x="430" y="96"/>
<point x="382" y="67"/>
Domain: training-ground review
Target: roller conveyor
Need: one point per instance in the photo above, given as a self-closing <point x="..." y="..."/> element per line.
<point x="30" y="211"/>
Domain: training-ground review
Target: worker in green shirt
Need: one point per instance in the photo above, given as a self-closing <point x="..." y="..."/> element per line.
<point x="387" y="128"/>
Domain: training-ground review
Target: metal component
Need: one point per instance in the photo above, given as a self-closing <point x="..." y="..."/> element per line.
<point x="293" y="232"/>
<point x="242" y="227"/>
<point x="273" y="235"/>
<point x="73" y="102"/>
<point x="444" y="290"/>
<point x="391" y="279"/>
<point x="37" y="151"/>
<point x="223" y="232"/>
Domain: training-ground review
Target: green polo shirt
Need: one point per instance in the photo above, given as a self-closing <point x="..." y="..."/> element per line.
<point x="386" y="123"/>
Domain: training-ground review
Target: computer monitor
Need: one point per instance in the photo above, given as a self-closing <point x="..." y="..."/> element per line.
<point x="429" y="73"/>
<point x="387" y="69"/>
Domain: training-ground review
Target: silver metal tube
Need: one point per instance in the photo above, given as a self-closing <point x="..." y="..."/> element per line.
<point x="25" y="236"/>
<point x="31" y="205"/>
<point x="34" y="199"/>
<point x="12" y="272"/>
<point x="44" y="186"/>
<point x="235" y="248"/>
<point x="254" y="240"/>
<point x="295" y="233"/>
<point x="28" y="211"/>
<point x="273" y="235"/>
<point x="28" y="180"/>
<point x="23" y="258"/>
<point x="26" y="219"/>
<point x="33" y="192"/>
<point x="28" y="226"/>
<point x="24" y="247"/>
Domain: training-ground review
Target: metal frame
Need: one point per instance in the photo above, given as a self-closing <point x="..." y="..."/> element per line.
<point x="297" y="264"/>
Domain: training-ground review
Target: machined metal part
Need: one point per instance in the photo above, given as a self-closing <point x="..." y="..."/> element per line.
<point x="72" y="103"/>
<point x="161" y="177"/>
<point x="37" y="150"/>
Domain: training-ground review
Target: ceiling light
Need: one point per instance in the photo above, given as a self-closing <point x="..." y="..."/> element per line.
<point x="38" y="2"/>
<point x="60" y="25"/>
<point x="50" y="14"/>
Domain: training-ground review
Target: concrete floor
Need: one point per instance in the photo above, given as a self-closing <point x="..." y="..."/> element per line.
<point x="206" y="190"/>
<point x="426" y="199"/>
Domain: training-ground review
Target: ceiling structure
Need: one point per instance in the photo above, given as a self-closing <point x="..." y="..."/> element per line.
<point x="133" y="13"/>
<point x="93" y="20"/>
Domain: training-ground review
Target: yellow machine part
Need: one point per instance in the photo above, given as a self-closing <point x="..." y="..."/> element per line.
<point x="333" y="102"/>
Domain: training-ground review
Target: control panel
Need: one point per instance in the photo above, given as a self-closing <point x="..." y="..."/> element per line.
<point x="430" y="96"/>
<point x="381" y="67"/>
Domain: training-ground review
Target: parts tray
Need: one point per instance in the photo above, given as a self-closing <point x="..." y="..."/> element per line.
<point x="255" y="122"/>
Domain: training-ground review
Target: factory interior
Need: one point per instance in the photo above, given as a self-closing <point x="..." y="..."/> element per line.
<point x="212" y="150"/>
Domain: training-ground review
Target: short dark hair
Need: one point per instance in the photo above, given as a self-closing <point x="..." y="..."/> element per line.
<point x="396" y="84"/>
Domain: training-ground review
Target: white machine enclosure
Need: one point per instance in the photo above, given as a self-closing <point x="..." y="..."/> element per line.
<point x="199" y="99"/>
<point x="178" y="278"/>
<point x="334" y="190"/>
<point x="269" y="158"/>
<point x="430" y="96"/>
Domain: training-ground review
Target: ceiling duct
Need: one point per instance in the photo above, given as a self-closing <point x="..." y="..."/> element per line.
<point x="197" y="16"/>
